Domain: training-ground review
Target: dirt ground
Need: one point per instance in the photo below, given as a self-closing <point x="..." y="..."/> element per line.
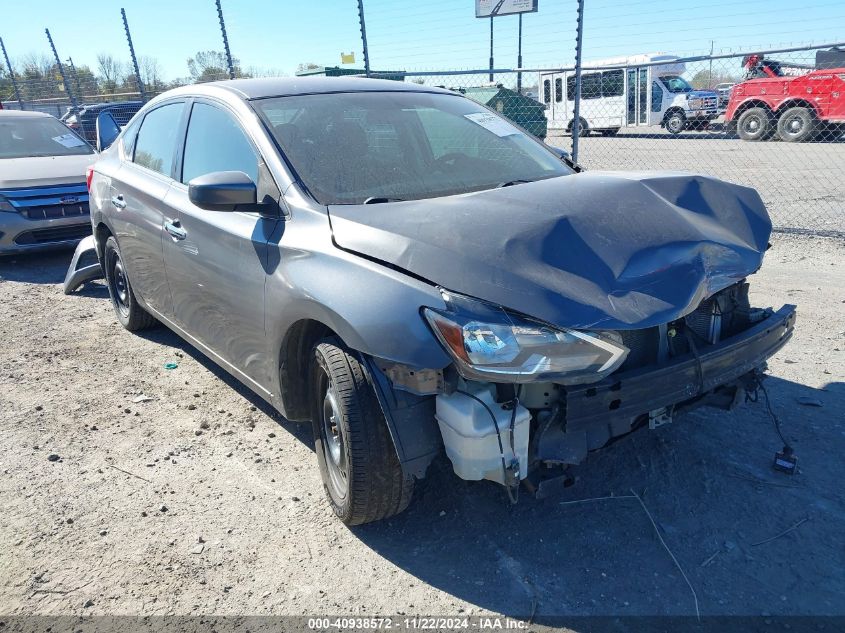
<point x="200" y="500"/>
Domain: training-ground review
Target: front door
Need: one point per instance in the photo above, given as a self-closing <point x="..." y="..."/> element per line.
<point x="216" y="261"/>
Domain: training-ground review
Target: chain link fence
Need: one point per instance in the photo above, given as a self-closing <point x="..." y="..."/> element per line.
<point x="772" y="120"/>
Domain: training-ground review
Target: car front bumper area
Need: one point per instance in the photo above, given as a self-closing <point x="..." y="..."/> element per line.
<point x="19" y="234"/>
<point x="598" y="412"/>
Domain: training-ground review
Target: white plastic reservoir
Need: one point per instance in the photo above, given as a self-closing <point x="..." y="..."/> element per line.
<point x="469" y="434"/>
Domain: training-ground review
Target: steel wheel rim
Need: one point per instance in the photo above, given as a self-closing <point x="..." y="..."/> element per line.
<point x="795" y="125"/>
<point x="333" y="444"/>
<point x="753" y="124"/>
<point x="120" y="286"/>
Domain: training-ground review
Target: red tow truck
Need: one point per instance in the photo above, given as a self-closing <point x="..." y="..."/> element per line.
<point x="796" y="108"/>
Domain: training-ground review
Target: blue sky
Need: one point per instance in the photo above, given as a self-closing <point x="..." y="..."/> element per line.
<point x="423" y="35"/>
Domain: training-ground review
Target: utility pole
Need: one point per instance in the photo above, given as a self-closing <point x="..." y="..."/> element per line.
<point x="519" y="58"/>
<point x="491" y="48"/>
<point x="11" y="75"/>
<point x="710" y="81"/>
<point x="75" y="75"/>
<point x="225" y="41"/>
<point x="364" y="37"/>
<point x="132" y="55"/>
<point x="73" y="101"/>
<point x="576" y="120"/>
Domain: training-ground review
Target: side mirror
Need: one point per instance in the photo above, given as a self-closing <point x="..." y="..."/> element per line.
<point x="107" y="130"/>
<point x="222" y="191"/>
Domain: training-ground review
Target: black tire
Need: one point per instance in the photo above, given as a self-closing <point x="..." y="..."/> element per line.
<point x="755" y="124"/>
<point x="583" y="128"/>
<point x="130" y="314"/>
<point x="796" y="125"/>
<point x="361" y="473"/>
<point x="675" y="122"/>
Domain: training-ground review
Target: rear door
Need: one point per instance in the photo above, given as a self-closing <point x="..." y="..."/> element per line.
<point x="138" y="192"/>
<point x="217" y="261"/>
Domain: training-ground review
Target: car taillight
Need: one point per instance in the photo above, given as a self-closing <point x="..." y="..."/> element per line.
<point x="89" y="175"/>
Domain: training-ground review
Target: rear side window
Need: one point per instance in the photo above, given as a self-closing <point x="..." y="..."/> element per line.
<point x="156" y="144"/>
<point x="216" y="142"/>
<point x="612" y="83"/>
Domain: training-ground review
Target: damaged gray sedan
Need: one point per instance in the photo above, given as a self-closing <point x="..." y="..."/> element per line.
<point x="413" y="274"/>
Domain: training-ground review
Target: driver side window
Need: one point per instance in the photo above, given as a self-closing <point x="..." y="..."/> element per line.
<point x="216" y="142"/>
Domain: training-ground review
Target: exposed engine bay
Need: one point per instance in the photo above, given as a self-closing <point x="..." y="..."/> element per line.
<point x="507" y="432"/>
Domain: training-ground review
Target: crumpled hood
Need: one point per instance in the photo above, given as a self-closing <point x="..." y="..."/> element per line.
<point x="596" y="250"/>
<point x="41" y="171"/>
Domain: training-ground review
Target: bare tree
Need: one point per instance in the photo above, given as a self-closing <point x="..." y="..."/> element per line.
<point x="211" y="65"/>
<point x="151" y="73"/>
<point x="111" y="72"/>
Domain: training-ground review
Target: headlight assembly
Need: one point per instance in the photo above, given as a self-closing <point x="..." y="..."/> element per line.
<point x="5" y="205"/>
<point x="491" y="344"/>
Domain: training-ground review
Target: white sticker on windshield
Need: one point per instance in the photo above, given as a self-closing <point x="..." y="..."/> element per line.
<point x="491" y="122"/>
<point x="69" y="140"/>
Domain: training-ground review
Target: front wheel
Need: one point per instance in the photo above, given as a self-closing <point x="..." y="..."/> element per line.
<point x="361" y="473"/>
<point x="130" y="314"/>
<point x="676" y="122"/>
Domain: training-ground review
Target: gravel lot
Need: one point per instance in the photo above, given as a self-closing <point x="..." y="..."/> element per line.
<point x="802" y="184"/>
<point x="201" y="500"/>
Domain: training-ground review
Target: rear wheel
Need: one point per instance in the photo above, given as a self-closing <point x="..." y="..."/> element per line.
<point x="583" y="128"/>
<point x="361" y="473"/>
<point x="130" y="314"/>
<point x="755" y="124"/>
<point x="796" y="125"/>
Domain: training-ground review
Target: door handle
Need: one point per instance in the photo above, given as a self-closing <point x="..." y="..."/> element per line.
<point x="118" y="201"/>
<point x="175" y="229"/>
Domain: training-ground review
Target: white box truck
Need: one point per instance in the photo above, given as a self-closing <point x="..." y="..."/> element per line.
<point x="636" y="91"/>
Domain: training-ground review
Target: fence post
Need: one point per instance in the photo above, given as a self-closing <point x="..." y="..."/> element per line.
<point x="364" y="37"/>
<point x="12" y="74"/>
<point x="73" y="101"/>
<point x="491" y="48"/>
<point x="519" y="58"/>
<point x="225" y="41"/>
<point x="132" y="55"/>
<point x="576" y="114"/>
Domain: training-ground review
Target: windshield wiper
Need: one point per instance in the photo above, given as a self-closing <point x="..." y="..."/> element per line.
<point x="510" y="183"/>
<point x="380" y="199"/>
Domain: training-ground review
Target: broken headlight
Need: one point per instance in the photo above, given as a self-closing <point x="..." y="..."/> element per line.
<point x="491" y="344"/>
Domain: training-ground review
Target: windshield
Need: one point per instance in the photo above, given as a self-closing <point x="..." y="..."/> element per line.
<point x="352" y="148"/>
<point x="23" y="137"/>
<point x="676" y="84"/>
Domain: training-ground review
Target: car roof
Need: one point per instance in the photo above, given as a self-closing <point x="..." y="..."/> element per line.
<point x="288" y="86"/>
<point x="24" y="114"/>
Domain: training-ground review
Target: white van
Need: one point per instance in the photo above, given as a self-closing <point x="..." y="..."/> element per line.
<point x="636" y="91"/>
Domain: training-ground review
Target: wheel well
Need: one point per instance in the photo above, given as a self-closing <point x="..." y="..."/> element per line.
<point x="751" y="104"/>
<point x="101" y="234"/>
<point x="796" y="103"/>
<point x="294" y="361"/>
<point x="672" y="110"/>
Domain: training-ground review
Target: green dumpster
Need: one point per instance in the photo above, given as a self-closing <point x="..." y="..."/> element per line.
<point x="522" y="110"/>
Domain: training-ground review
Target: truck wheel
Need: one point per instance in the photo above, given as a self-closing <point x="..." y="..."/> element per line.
<point x="583" y="128"/>
<point x="361" y="473"/>
<point x="755" y="124"/>
<point x="675" y="122"/>
<point x="796" y="125"/>
<point x="130" y="314"/>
